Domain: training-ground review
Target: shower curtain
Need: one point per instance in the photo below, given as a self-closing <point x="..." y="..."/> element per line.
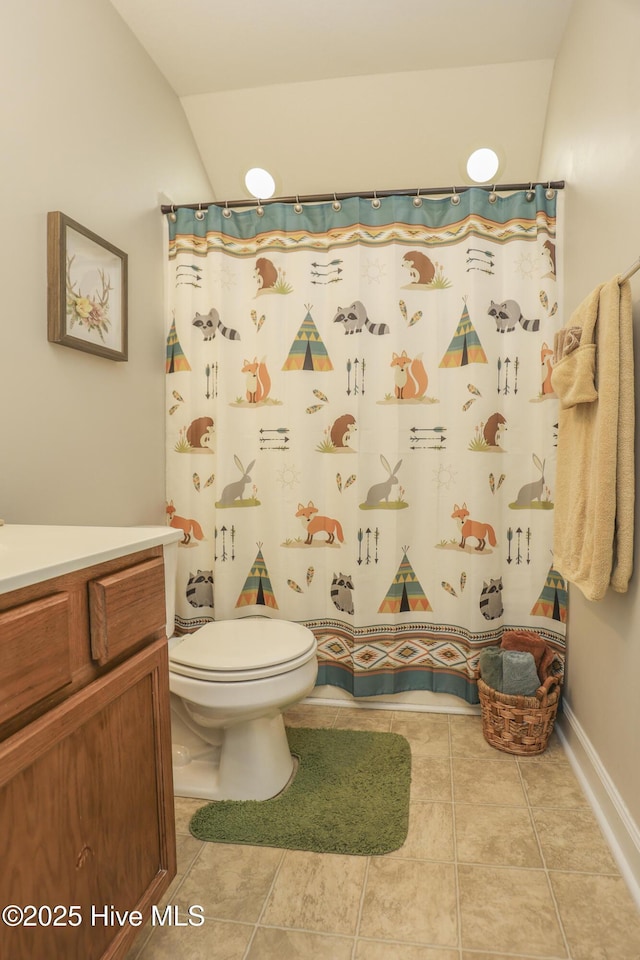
<point x="361" y="429"/>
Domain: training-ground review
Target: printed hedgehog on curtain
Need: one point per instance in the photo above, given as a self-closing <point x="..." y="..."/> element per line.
<point x="465" y="347"/>
<point x="405" y="593"/>
<point x="308" y="352"/>
<point x="257" y="589"/>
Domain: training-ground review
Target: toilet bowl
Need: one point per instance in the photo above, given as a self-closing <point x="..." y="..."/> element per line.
<point x="229" y="683"/>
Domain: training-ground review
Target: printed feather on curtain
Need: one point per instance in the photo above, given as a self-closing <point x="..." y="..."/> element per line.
<point x="359" y="379"/>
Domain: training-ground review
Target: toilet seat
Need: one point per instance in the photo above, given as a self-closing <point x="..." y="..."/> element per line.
<point x="221" y="652"/>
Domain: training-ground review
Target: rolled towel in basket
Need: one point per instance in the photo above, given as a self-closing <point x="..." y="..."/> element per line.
<point x="530" y="642"/>
<point x="519" y="674"/>
<point x="490" y="665"/>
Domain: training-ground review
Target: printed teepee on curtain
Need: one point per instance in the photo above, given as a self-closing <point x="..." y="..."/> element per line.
<point x="362" y="429"/>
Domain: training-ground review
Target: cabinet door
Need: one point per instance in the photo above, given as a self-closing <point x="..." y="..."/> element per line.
<point x="86" y="807"/>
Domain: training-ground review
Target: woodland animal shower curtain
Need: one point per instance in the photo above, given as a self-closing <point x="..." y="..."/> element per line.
<point x="361" y="427"/>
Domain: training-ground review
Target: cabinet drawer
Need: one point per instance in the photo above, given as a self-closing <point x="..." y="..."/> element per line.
<point x="34" y="652"/>
<point x="126" y="607"/>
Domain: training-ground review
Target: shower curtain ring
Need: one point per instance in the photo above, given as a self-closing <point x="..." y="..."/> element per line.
<point x="199" y="212"/>
<point x="455" y="199"/>
<point x="493" y="196"/>
<point x="549" y="192"/>
<point x="260" y="209"/>
<point x="226" y="212"/>
<point x="297" y="205"/>
<point x="172" y="214"/>
<point x="530" y="194"/>
<point x="417" y="200"/>
<point x="375" y="203"/>
<point x="337" y="206"/>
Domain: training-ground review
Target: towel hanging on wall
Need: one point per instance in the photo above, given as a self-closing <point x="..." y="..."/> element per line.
<point x="593" y="375"/>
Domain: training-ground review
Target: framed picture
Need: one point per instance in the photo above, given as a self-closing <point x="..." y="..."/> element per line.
<point x="87" y="290"/>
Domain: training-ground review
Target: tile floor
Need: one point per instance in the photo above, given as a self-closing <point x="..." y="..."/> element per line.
<point x="503" y="861"/>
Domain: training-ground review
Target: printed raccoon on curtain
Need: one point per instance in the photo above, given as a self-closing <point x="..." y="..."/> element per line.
<point x="361" y="428"/>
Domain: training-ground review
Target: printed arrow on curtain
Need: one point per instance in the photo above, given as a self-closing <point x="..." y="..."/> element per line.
<point x="486" y="253"/>
<point x="505" y="389"/>
<point x="211" y="374"/>
<point x="528" y="544"/>
<point x="509" y="539"/>
<point x="224" y="543"/>
<point x="358" y="368"/>
<point x="503" y="386"/>
<point x="518" y="552"/>
<point x="368" y="533"/>
<point x="479" y="260"/>
<point x="182" y="271"/>
<point x="326" y="266"/>
<point x="327" y="272"/>
<point x="420" y="438"/>
<point x="223" y="557"/>
<point x="486" y="259"/>
<point x="516" y="365"/>
<point x="281" y="439"/>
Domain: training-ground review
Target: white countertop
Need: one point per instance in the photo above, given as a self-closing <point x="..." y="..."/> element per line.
<point x="31" y="554"/>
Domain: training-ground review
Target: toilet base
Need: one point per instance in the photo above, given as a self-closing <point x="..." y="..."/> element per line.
<point x="251" y="762"/>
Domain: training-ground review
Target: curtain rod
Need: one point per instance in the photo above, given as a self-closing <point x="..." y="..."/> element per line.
<point x="630" y="272"/>
<point x="366" y="195"/>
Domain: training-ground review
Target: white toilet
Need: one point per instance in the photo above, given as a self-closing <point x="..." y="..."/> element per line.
<point x="230" y="682"/>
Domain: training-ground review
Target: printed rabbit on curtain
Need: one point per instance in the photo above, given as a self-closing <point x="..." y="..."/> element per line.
<point x="362" y="431"/>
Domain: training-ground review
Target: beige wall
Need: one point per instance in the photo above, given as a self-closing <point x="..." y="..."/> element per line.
<point x="87" y="126"/>
<point x="387" y="132"/>
<point x="592" y="138"/>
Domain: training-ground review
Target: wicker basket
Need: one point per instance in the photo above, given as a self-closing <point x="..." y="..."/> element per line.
<point x="520" y="725"/>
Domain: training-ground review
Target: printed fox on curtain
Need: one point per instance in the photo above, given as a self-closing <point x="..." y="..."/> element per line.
<point x="361" y="428"/>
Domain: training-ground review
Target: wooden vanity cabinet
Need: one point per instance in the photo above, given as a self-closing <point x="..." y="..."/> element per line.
<point x="86" y="793"/>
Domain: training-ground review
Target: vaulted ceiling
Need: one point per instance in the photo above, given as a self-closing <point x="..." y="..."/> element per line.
<point x="216" y="54"/>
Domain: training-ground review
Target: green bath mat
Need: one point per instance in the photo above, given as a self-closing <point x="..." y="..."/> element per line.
<point x="350" y="795"/>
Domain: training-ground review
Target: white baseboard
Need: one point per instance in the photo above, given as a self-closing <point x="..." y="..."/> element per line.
<point x="617" y="824"/>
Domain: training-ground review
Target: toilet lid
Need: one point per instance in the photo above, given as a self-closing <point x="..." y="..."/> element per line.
<point x="260" y="645"/>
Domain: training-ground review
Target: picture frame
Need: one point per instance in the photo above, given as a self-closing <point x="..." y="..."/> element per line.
<point x="86" y="290"/>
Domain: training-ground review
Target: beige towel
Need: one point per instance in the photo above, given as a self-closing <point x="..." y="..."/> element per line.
<point x="595" y="480"/>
